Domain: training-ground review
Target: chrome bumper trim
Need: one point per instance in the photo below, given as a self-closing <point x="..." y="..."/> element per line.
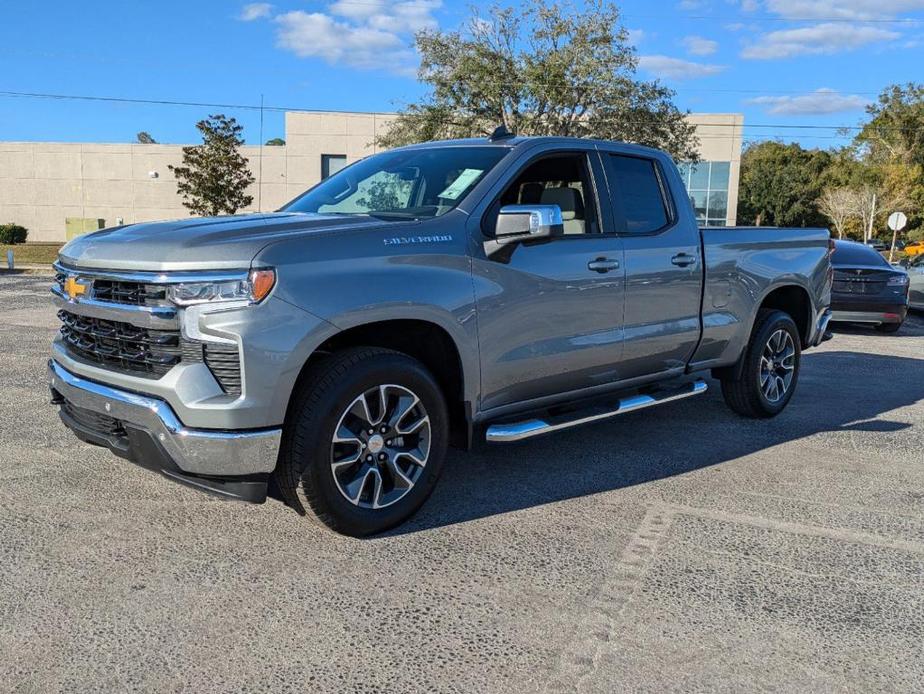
<point x="821" y="328"/>
<point x="196" y="451"/>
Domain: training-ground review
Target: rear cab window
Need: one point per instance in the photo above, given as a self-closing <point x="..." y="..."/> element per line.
<point x="638" y="193"/>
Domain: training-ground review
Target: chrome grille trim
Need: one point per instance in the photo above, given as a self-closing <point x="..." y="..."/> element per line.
<point x="172" y="277"/>
<point x="156" y="317"/>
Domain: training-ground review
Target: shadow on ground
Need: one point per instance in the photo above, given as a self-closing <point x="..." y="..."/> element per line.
<point x="666" y="441"/>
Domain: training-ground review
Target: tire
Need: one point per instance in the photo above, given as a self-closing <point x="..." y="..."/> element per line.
<point x="748" y="395"/>
<point x="889" y="328"/>
<point x="345" y="390"/>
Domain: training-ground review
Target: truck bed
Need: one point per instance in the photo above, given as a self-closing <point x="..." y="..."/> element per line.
<point x="743" y="265"/>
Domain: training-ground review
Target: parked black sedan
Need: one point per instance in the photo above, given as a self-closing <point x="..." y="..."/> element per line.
<point x="867" y="289"/>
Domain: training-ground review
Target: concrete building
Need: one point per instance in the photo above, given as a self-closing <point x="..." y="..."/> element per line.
<point x="44" y="183"/>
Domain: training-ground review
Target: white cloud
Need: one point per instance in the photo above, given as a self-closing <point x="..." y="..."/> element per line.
<point x="675" y="68"/>
<point x="636" y="36"/>
<point x="697" y="45"/>
<point x="255" y="10"/>
<point x="374" y="34"/>
<point x="821" y="101"/>
<point x="824" y="38"/>
<point x="843" y="9"/>
<point x="357" y="11"/>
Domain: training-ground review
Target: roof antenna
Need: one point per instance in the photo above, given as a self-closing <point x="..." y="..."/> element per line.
<point x="500" y="133"/>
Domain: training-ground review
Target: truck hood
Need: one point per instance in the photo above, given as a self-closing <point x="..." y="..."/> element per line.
<point x="199" y="243"/>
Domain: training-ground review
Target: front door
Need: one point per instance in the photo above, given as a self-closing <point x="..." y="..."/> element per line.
<point x="550" y="314"/>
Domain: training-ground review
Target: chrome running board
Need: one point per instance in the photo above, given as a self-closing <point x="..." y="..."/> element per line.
<point x="517" y="431"/>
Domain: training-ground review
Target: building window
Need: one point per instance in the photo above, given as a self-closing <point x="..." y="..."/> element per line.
<point x="707" y="186"/>
<point x="331" y="164"/>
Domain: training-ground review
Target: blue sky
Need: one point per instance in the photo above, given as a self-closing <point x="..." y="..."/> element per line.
<point x="780" y="62"/>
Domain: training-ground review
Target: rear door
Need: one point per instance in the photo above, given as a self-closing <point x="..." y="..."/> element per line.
<point x="663" y="264"/>
<point x="550" y="313"/>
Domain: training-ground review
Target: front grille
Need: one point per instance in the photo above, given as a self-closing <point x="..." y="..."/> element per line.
<point x="133" y="293"/>
<point x="122" y="291"/>
<point x="120" y="346"/>
<point x="93" y="421"/>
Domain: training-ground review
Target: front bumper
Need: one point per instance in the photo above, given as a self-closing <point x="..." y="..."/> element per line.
<point x="146" y="431"/>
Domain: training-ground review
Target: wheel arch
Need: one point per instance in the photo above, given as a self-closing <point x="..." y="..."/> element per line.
<point x="793" y="299"/>
<point x="790" y="298"/>
<point x="429" y="343"/>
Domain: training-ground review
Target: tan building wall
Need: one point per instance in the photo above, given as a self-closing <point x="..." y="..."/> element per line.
<point x="42" y="183"/>
<point x="720" y="139"/>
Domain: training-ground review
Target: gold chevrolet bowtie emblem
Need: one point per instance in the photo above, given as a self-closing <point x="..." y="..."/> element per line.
<point x="74" y="288"/>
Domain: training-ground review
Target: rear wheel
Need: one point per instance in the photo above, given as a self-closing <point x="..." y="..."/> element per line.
<point x="364" y="442"/>
<point x="889" y="327"/>
<point x="770" y="370"/>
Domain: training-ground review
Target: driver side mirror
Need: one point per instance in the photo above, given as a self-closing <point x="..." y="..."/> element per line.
<point x="517" y="223"/>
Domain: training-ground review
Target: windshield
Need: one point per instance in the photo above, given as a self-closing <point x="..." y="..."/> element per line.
<point x="409" y="184"/>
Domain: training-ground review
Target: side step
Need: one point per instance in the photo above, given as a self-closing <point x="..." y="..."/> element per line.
<point x="517" y="431"/>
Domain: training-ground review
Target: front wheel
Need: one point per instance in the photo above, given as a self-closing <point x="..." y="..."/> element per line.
<point x="770" y="369"/>
<point x="365" y="441"/>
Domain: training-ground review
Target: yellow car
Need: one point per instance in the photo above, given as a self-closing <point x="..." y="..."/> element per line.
<point x="914" y="248"/>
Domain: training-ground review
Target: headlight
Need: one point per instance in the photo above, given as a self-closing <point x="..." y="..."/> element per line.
<point x="253" y="289"/>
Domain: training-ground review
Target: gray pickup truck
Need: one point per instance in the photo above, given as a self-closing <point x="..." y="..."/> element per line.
<point x="423" y="297"/>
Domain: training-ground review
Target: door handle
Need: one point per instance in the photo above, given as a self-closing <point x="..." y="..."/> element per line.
<point x="602" y="265"/>
<point x="683" y="259"/>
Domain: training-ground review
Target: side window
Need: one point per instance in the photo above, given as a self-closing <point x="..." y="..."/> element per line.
<point x="637" y="193"/>
<point x="558" y="179"/>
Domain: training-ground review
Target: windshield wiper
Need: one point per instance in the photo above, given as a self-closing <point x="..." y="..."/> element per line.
<point x="396" y="216"/>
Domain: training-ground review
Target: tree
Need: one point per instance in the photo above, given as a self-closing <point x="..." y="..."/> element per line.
<point x="144" y="138"/>
<point x="838" y="205"/>
<point x="214" y="177"/>
<point x="781" y="184"/>
<point x="895" y="131"/>
<point x="540" y="68"/>
<point x="276" y="142"/>
<point x="866" y="205"/>
<point x="891" y="145"/>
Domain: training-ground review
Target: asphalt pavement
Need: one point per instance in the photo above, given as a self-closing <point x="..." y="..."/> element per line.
<point x="675" y="549"/>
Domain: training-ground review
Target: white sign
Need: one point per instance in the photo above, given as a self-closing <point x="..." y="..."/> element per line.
<point x="897" y="221"/>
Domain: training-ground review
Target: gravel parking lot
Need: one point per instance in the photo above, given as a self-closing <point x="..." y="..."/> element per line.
<point x="680" y="548"/>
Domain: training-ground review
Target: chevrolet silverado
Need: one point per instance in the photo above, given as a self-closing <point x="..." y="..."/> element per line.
<point x="426" y="296"/>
